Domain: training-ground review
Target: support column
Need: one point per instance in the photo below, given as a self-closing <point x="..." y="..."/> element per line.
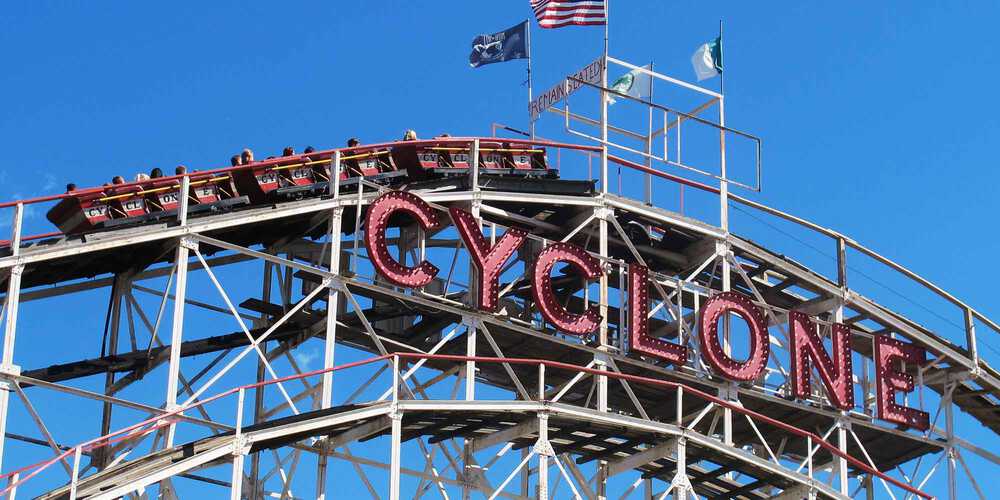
<point x="601" y="358"/>
<point x="7" y="363"/>
<point x="321" y="477"/>
<point x="121" y="282"/>
<point x="681" y="484"/>
<point x="330" y="341"/>
<point x="332" y="299"/>
<point x="525" y="474"/>
<point x="394" y="464"/>
<point x="843" y="422"/>
<point x="177" y="333"/>
<point x="601" y="482"/>
<point x="949" y="423"/>
<point x="236" y="486"/>
<point x="256" y="493"/>
<point x="601" y="364"/>
<point x="843" y="425"/>
<point x="470" y="366"/>
<point x="729" y="390"/>
<point x="470" y="395"/>
<point x="544" y="451"/>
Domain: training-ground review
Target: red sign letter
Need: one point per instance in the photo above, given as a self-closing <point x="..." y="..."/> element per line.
<point x="708" y="332"/>
<point x="889" y="380"/>
<point x="638" y="325"/>
<point x="836" y="373"/>
<point x="375" y="224"/>
<point x="489" y="261"/>
<point x="545" y="298"/>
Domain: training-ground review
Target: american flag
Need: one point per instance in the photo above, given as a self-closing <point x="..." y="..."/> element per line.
<point x="559" y="13"/>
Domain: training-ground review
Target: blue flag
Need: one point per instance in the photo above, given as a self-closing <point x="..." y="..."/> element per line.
<point x="499" y="47"/>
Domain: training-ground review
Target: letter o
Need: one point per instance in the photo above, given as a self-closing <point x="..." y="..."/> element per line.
<point x="708" y="332"/>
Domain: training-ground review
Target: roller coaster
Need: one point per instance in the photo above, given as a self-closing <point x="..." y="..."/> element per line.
<point x="492" y="320"/>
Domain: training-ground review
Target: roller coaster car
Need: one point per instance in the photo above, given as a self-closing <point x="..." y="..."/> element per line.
<point x="374" y="165"/>
<point x="268" y="180"/>
<point x="432" y="160"/>
<point x="116" y="206"/>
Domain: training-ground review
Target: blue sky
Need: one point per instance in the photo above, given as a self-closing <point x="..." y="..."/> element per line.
<point x="879" y="121"/>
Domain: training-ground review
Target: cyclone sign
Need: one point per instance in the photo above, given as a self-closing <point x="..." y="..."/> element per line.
<point x="807" y="345"/>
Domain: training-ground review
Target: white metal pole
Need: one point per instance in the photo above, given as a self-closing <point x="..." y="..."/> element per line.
<point x="10" y="331"/>
<point x="602" y="381"/>
<point x="724" y="224"/>
<point x="176" y="336"/>
<point x="842" y="471"/>
<point x="950" y="450"/>
<point x="470" y="366"/>
<point x="394" y="464"/>
<point x="543" y="457"/>
<point x="649" y="143"/>
<point x="333" y="293"/>
<point x="182" y="209"/>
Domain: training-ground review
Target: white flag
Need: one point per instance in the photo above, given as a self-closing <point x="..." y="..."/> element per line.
<point x="707" y="60"/>
<point x="635" y="83"/>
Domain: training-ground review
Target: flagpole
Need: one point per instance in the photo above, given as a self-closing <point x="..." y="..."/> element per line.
<point x="602" y="381"/>
<point x="531" y="123"/>
<point x="722" y="74"/>
<point x="604" y="100"/>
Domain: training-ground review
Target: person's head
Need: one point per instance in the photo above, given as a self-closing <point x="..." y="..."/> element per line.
<point x="156" y="173"/>
<point x="288" y="151"/>
<point x="235" y="160"/>
<point x="353" y="141"/>
<point x="118" y="180"/>
<point x="410" y="135"/>
<point x="70" y="187"/>
<point x="247" y="156"/>
<point x="181" y="169"/>
<point x="309" y="149"/>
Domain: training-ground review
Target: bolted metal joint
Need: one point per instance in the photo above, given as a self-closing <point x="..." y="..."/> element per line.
<point x="241" y="445"/>
<point x="189" y="243"/>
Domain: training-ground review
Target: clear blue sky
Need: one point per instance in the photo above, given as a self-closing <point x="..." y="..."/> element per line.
<point x="880" y="121"/>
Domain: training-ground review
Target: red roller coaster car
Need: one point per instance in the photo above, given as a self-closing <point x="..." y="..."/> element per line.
<point x="291" y="177"/>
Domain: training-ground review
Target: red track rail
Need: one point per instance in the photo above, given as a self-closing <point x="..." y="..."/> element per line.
<point x="159" y="421"/>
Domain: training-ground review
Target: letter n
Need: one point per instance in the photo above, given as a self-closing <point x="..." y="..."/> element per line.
<point x="807" y="351"/>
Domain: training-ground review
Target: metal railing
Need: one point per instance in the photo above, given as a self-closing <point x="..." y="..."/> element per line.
<point x="970" y="314"/>
<point x="813" y="442"/>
